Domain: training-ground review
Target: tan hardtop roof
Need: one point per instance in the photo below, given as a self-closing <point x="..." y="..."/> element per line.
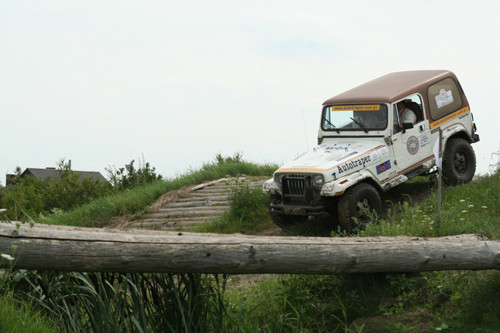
<point x="391" y="87"/>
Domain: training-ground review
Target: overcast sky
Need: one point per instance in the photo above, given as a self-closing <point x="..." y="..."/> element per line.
<point x="105" y="82"/>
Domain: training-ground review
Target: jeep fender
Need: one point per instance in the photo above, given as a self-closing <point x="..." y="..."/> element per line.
<point x="456" y="130"/>
<point x="338" y="187"/>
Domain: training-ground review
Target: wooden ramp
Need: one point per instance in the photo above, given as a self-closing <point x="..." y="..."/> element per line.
<point x="191" y="206"/>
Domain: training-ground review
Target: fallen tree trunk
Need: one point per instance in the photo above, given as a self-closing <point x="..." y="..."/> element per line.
<point x="47" y="247"/>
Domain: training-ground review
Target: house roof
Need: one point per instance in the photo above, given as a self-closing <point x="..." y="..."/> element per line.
<point x="43" y="174"/>
<point x="391" y="87"/>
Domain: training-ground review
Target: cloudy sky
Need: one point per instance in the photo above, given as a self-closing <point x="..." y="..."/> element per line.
<point x="105" y="82"/>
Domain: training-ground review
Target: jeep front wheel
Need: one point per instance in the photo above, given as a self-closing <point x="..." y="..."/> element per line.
<point x="357" y="205"/>
<point x="459" y="162"/>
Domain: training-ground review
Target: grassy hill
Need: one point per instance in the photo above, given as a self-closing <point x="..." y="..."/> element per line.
<point x="454" y="301"/>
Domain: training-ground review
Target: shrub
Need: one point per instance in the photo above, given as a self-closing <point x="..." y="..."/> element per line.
<point x="248" y="213"/>
<point x="25" y="199"/>
<point x="130" y="177"/>
<point x="30" y="197"/>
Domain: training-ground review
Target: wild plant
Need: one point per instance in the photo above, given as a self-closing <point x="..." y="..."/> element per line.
<point x="131" y="302"/>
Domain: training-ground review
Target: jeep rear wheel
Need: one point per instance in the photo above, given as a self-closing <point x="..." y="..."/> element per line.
<point x="357" y="205"/>
<point x="459" y="162"/>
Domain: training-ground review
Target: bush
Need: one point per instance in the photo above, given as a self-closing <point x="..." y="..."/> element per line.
<point x="248" y="213"/>
<point x="25" y="199"/>
<point x="129" y="177"/>
<point x="30" y="197"/>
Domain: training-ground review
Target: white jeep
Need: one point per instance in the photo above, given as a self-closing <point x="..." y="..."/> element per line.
<point x="364" y="148"/>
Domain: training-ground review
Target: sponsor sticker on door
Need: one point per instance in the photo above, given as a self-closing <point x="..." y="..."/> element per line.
<point x="412" y="145"/>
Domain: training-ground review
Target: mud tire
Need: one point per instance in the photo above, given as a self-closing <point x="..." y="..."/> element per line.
<point x="357" y="202"/>
<point x="459" y="162"/>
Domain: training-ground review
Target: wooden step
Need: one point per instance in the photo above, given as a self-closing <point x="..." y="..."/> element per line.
<point x="208" y="195"/>
<point x="215" y="198"/>
<point x="198" y="203"/>
<point x="165" y="225"/>
<point x="183" y="213"/>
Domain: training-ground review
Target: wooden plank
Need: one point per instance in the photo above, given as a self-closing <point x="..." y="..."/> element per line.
<point x="179" y="212"/>
<point x="84" y="249"/>
<point x="222" y="198"/>
<point x="197" y="203"/>
<point x="199" y="195"/>
<point x="166" y="224"/>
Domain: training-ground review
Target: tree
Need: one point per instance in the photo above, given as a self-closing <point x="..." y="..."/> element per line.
<point x="31" y="196"/>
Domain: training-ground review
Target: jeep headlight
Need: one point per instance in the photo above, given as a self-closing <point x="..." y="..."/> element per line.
<point x="319" y="180"/>
<point x="278" y="179"/>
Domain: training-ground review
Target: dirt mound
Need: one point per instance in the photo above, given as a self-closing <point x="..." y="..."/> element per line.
<point x="191" y="205"/>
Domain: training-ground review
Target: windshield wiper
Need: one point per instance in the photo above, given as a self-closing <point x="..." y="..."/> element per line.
<point x="329" y="123"/>
<point x="360" y="124"/>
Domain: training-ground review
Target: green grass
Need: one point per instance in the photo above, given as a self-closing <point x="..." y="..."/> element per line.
<point x="21" y="317"/>
<point x="458" y="301"/>
<point x="468" y="208"/>
<point x="248" y="213"/>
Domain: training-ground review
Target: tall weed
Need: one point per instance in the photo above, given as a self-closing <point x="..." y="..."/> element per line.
<point x="113" y="302"/>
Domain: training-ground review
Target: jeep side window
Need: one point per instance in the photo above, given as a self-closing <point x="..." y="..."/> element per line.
<point x="414" y="103"/>
<point x="444" y="98"/>
<point x="411" y="102"/>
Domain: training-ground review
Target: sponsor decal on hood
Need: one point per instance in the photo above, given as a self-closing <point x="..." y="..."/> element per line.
<point x="339" y="158"/>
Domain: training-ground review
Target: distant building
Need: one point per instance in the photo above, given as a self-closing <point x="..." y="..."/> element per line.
<point x="43" y="174"/>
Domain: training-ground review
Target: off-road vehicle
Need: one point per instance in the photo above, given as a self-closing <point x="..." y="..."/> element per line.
<point x="364" y="148"/>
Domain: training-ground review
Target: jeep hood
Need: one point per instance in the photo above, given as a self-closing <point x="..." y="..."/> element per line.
<point x="339" y="157"/>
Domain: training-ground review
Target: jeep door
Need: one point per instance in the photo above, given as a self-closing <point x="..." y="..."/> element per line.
<point x="411" y="147"/>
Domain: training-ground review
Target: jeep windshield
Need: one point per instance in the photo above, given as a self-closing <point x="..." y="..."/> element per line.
<point x="354" y="117"/>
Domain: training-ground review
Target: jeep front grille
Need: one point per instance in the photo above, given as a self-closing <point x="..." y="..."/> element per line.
<point x="296" y="186"/>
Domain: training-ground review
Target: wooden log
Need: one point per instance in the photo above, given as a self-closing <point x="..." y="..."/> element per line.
<point x="47" y="247"/>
